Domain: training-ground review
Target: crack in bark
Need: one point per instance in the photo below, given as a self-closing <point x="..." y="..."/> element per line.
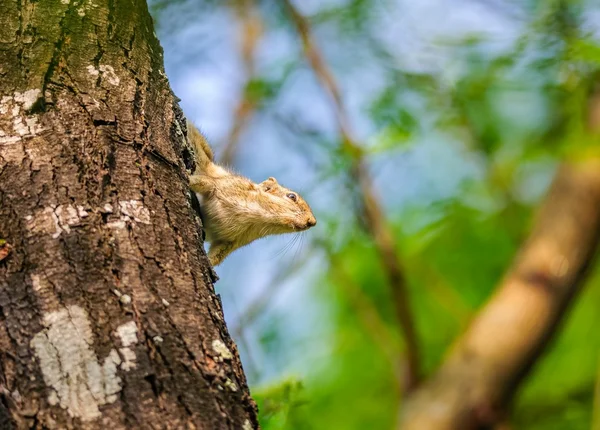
<point x="58" y="46"/>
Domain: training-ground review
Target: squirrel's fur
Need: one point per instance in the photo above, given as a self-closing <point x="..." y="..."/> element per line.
<point x="237" y="211"/>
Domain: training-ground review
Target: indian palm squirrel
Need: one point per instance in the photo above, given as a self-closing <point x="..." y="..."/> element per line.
<point x="236" y="211"/>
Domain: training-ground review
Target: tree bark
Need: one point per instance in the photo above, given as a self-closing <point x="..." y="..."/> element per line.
<point x="108" y="316"/>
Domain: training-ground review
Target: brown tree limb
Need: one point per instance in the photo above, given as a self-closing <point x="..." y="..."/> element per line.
<point x="250" y="32"/>
<point x="475" y="383"/>
<point x="377" y="225"/>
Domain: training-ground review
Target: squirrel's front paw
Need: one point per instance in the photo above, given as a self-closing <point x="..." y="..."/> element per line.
<point x="218" y="251"/>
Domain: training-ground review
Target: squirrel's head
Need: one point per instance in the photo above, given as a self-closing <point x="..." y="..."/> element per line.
<point x="290" y="205"/>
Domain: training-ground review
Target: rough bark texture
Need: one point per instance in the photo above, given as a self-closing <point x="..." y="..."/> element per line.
<point x="108" y="316"/>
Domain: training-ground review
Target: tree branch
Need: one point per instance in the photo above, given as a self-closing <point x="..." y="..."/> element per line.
<point x="487" y="364"/>
<point x="376" y="224"/>
<point x="482" y="372"/>
<point x="250" y="32"/>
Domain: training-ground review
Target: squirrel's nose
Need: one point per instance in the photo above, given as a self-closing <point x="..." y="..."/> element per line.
<point x="311" y="222"/>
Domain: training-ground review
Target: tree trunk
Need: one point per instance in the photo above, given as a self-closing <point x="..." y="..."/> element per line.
<point x="108" y="316"/>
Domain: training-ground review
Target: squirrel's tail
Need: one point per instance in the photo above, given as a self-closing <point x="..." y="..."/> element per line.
<point x="204" y="154"/>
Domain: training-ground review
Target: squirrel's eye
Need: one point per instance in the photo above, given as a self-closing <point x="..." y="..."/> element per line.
<point x="292" y="196"/>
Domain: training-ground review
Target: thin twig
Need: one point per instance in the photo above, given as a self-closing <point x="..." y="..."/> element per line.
<point x="250" y="32"/>
<point x="369" y="315"/>
<point x="250" y="364"/>
<point x="261" y="302"/>
<point x="377" y="225"/>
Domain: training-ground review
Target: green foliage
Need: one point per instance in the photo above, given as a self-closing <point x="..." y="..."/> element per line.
<point x="280" y="404"/>
<point x="559" y="393"/>
<point x="258" y="90"/>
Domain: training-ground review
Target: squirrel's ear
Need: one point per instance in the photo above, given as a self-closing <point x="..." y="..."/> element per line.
<point x="265" y="185"/>
<point x="268" y="184"/>
<point x="270" y="179"/>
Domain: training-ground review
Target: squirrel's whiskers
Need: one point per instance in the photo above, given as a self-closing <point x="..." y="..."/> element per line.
<point x="290" y="244"/>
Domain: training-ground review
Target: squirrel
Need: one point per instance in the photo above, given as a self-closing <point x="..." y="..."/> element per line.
<point x="236" y="211"/>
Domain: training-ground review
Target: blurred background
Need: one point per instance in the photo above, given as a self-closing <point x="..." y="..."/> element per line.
<point x="425" y="130"/>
